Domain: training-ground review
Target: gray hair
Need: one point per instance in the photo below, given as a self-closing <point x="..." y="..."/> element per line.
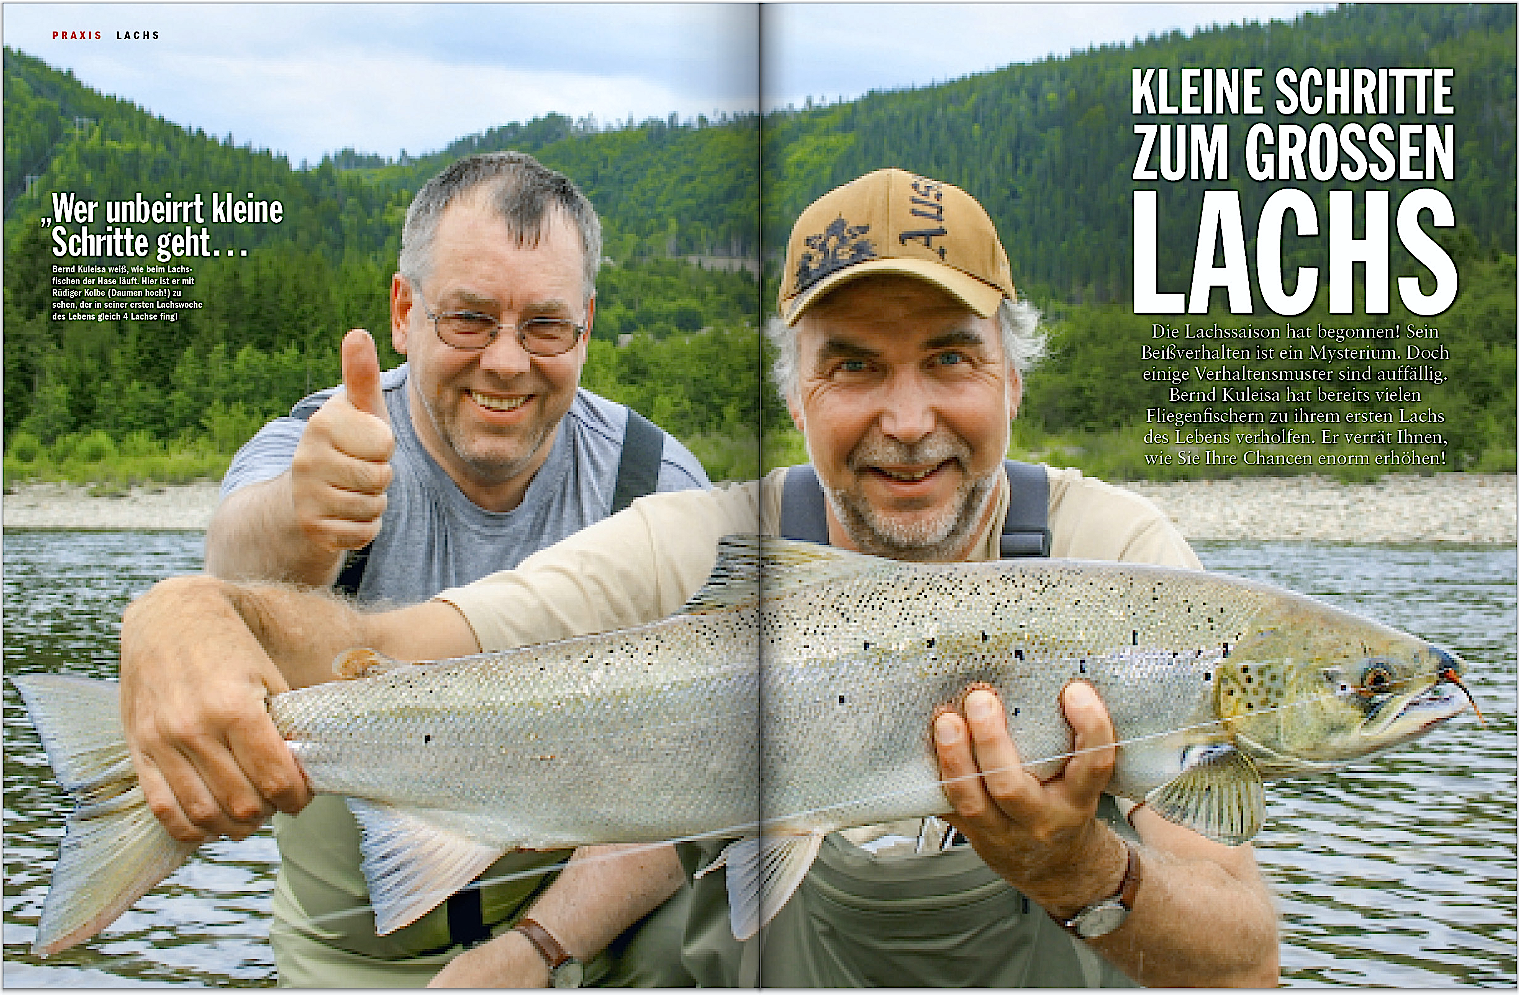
<point x="521" y="189"/>
<point x="1023" y="343"/>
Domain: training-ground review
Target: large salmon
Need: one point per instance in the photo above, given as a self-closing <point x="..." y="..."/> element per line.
<point x="777" y="718"/>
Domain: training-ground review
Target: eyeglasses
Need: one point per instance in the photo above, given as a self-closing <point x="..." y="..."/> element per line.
<point x="473" y="331"/>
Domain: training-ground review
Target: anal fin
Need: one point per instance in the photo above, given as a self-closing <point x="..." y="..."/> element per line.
<point x="1218" y="793"/>
<point x="762" y="875"/>
<point x="412" y="864"/>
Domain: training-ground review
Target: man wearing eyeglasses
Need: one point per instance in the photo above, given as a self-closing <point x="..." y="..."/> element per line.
<point x="477" y="452"/>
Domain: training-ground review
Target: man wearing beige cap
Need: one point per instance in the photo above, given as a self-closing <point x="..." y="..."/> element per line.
<point x="901" y="354"/>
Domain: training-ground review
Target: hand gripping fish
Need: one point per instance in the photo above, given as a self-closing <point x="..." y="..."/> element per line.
<point x="790" y="697"/>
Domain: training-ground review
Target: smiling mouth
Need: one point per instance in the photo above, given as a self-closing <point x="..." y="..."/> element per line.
<point x="491" y="402"/>
<point x="907" y="475"/>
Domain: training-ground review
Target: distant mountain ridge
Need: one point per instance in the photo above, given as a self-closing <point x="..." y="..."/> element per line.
<point x="1048" y="147"/>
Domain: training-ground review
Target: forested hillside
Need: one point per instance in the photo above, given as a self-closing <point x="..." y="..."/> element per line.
<point x="1048" y="147"/>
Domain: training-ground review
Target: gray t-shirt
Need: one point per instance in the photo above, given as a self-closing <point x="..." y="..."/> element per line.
<point x="433" y="537"/>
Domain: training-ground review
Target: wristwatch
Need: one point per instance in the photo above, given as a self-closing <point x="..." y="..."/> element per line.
<point x="564" y="970"/>
<point x="1107" y="914"/>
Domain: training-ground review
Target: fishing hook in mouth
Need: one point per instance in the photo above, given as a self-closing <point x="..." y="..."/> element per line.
<point x="1449" y="674"/>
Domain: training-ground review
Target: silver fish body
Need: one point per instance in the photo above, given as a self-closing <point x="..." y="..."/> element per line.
<point x="780" y="718"/>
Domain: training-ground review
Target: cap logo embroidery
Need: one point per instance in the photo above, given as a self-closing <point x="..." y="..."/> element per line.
<point x="839" y="245"/>
<point x="927" y="204"/>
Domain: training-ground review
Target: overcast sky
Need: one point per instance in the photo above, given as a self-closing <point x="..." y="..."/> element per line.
<point x="306" y="79"/>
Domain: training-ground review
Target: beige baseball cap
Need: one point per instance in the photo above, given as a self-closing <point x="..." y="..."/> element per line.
<point x="893" y="221"/>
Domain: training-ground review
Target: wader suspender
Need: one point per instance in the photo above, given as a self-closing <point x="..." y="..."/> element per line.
<point x="1025" y="530"/>
<point x="643" y="447"/>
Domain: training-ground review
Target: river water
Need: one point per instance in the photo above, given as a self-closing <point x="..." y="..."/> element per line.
<point x="1399" y="871"/>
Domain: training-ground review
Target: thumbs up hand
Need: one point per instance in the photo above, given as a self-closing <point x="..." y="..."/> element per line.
<point x="342" y="463"/>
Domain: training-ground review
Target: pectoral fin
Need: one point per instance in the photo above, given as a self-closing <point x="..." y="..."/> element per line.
<point x="1218" y="794"/>
<point x="412" y="864"/>
<point x="762" y="874"/>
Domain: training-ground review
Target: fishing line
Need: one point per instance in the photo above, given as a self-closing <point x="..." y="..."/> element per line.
<point x="758" y="826"/>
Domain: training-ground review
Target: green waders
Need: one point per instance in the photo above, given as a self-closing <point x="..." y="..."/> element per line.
<point x="939" y="920"/>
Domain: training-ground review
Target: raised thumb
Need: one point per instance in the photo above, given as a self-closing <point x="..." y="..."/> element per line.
<point x="361" y="373"/>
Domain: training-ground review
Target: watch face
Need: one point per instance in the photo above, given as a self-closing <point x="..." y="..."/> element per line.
<point x="570" y="974"/>
<point x="1100" y="920"/>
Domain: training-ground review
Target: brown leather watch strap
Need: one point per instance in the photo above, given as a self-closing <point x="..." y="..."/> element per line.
<point x="552" y="952"/>
<point x="1130" y="884"/>
<point x="1128" y="888"/>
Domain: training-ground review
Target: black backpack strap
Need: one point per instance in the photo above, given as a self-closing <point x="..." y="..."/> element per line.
<point x="804" y="514"/>
<point x="643" y="446"/>
<point x="1026" y="530"/>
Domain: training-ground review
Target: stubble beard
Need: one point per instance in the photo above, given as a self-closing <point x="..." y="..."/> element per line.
<point x="485" y="467"/>
<point x="943" y="536"/>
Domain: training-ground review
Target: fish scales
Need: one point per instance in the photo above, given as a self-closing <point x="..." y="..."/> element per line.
<point x="778" y="719"/>
<point x="564" y="737"/>
<point x="840" y="683"/>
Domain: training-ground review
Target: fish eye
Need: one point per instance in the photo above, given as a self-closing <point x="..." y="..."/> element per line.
<point x="1376" y="679"/>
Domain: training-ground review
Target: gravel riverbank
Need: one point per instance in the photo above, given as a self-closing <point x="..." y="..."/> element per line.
<point x="1447" y="507"/>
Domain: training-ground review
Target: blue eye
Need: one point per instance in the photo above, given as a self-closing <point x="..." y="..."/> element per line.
<point x="951" y="358"/>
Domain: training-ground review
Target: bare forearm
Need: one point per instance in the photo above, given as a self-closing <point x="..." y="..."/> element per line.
<point x="1200" y="918"/>
<point x="201" y="618"/>
<point x="603" y="891"/>
<point x="254" y="536"/>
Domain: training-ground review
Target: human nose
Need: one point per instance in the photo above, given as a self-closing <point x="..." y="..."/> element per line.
<point x="907" y="411"/>
<point x="505" y="355"/>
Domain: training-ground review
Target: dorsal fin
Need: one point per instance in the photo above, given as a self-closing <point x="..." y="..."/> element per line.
<point x="747" y="562"/>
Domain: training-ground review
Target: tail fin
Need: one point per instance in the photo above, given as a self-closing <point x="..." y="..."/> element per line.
<point x="114" y="849"/>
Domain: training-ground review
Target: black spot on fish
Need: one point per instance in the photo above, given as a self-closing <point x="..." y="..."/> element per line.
<point x="1017" y="654"/>
<point x="1207" y="677"/>
<point x="983" y="637"/>
<point x="930" y="642"/>
<point x="841" y="699"/>
<point x="1136" y="637"/>
<point x="427" y="738"/>
<point x="1226" y="651"/>
<point x="1016" y="711"/>
<point x="1083" y="666"/>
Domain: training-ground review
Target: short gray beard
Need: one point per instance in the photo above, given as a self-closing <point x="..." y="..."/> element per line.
<point x="487" y="470"/>
<point x="942" y="538"/>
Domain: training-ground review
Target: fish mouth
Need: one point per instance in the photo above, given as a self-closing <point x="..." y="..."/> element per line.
<point x="1442" y="699"/>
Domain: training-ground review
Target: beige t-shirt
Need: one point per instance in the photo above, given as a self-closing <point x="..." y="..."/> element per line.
<point x="642" y="565"/>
